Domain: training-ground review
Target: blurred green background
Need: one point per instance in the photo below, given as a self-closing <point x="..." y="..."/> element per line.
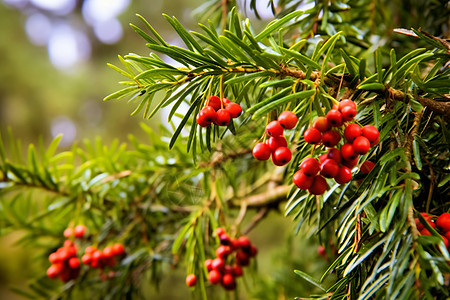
<point x="53" y="77"/>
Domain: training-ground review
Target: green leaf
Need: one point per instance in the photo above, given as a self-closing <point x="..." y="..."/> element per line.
<point x="160" y="39"/>
<point x="309" y="279"/>
<point x="277" y="24"/>
<point x="329" y="43"/>
<point x="122" y="93"/>
<point x="183" y="122"/>
<point x="278" y="102"/>
<point x="190" y="42"/>
<point x="393" y="154"/>
<point x="374" y="86"/>
<point x="416" y="152"/>
<point x="160" y="73"/>
<point x="300" y="57"/>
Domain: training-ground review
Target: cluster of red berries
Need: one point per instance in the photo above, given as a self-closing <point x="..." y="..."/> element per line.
<point x="65" y="263"/>
<point x="442" y="226"/>
<point x="96" y="258"/>
<point x="226" y="267"/>
<point x="336" y="163"/>
<point x="218" y="111"/>
<point x="276" y="144"/>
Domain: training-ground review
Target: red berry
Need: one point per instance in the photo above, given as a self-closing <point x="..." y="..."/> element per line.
<point x="108" y="252"/>
<point x="302" y="181"/>
<point x="253" y="251"/>
<point x="214" y="277"/>
<point x="310" y="166"/>
<point x="54" y="270"/>
<point x="64" y="253"/>
<point x="282" y="155"/>
<point x="375" y="142"/>
<point x="370" y="132"/>
<point x="74" y="263"/>
<point x="208" y="264"/>
<point x="351" y="132"/>
<point x="225" y="239"/>
<point x="443" y="222"/>
<point x="323" y="157"/>
<point x="287" y="119"/>
<point x="68" y="243"/>
<point x="261" y="151"/>
<point x="322" y="124"/>
<point x="329" y="168"/>
<point x="367" y="166"/>
<point x="242" y="258"/>
<point x="90" y="249"/>
<point x="334" y="154"/>
<point x="217" y="264"/>
<point x="86" y="259"/>
<point x="223" y="251"/>
<point x="274" y="128"/>
<point x="226" y="101"/>
<point x="275" y="142"/>
<point x="208" y="113"/>
<point x="237" y="271"/>
<point x="351" y="163"/>
<point x="223" y="117"/>
<point x="346" y="103"/>
<point x="214" y="102"/>
<point x="118" y="249"/>
<point x="191" y="280"/>
<point x="447" y="235"/>
<point x="54" y="258"/>
<point x="219" y="231"/>
<point x="425" y="232"/>
<point x="228" y="282"/>
<point x="244" y="242"/>
<point x="344" y="175"/>
<point x="334" y="118"/>
<point x="347" y="152"/>
<point x="361" y="145"/>
<point x="313" y="136"/>
<point x="68" y="232"/>
<point x="348" y="113"/>
<point x="79" y="231"/>
<point x="201" y="121"/>
<point x="446" y="243"/>
<point x="234" y="109"/>
<point x="319" y="186"/>
<point x="331" y="138"/>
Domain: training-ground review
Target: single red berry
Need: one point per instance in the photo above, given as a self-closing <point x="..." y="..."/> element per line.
<point x="228" y="269"/>
<point x="367" y="166"/>
<point x="214" y="277"/>
<point x="79" y="231"/>
<point x="447" y="235"/>
<point x="118" y="249"/>
<point x="90" y="249"/>
<point x="351" y="163"/>
<point x="234" y="244"/>
<point x="108" y="252"/>
<point x="302" y="181"/>
<point x="71" y="251"/>
<point x="226" y="101"/>
<point x="224" y="239"/>
<point x="287" y="119"/>
<point x="361" y="145"/>
<point x="64" y="253"/>
<point x="68" y="243"/>
<point x="334" y="154"/>
<point x="191" y="280"/>
<point x="218" y="264"/>
<point x="253" y="250"/>
<point x="282" y="155"/>
<point x="370" y="132"/>
<point x="228" y="282"/>
<point x="275" y="142"/>
<point x="54" y="270"/>
<point x="201" y="121"/>
<point x="348" y="113"/>
<point x="321" y="251"/>
<point x="446" y="243"/>
<point x="334" y="118"/>
<point x="237" y="271"/>
<point x="234" y="109"/>
<point x="242" y="258"/>
<point x="86" y="259"/>
<point x="329" y="168"/>
<point x="214" y="102"/>
<point x="347" y="152"/>
<point x="346" y="103"/>
<point x="351" y="132"/>
<point x="223" y="251"/>
<point x="219" y="231"/>
<point x="313" y="136"/>
<point x="319" y="186"/>
<point x="274" y="128"/>
<point x="68" y="232"/>
<point x="443" y="222"/>
<point x="322" y="124"/>
<point x="261" y="151"/>
<point x="331" y="138"/>
<point x="54" y="258"/>
<point x="323" y="157"/>
<point x="208" y="113"/>
<point x="208" y="264"/>
<point x="74" y="262"/>
<point x="425" y="232"/>
<point x="244" y="242"/>
<point x="344" y="175"/>
<point x="375" y="142"/>
<point x="310" y="166"/>
<point x="223" y="117"/>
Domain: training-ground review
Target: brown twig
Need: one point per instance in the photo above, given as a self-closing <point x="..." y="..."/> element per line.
<point x="262" y="213"/>
<point x="271" y="196"/>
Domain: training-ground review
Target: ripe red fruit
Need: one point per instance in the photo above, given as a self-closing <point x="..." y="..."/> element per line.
<point x="68" y="232"/>
<point x="86" y="259"/>
<point x="348" y="113"/>
<point x="54" y="258"/>
<point x="347" y="152"/>
<point x="446" y="242"/>
<point x="219" y="231"/>
<point x="319" y="186"/>
<point x="253" y="251"/>
<point x="443" y="222"/>
<point x="287" y="119"/>
<point x="118" y="249"/>
<point x="242" y="258"/>
<point x="351" y="132"/>
<point x="275" y="142"/>
<point x="214" y="102"/>
<point x="323" y="157"/>
<point x="282" y="155"/>
<point x="344" y="175"/>
<point x="74" y="263"/>
<point x="302" y="181"/>
<point x="367" y="166"/>
<point x="334" y="154"/>
<point x="261" y="151"/>
<point x="370" y="132"/>
<point x="218" y="264"/>
<point x="108" y="252"/>
<point x="223" y="251"/>
<point x="208" y="264"/>
<point x="361" y="145"/>
<point x="54" y="270"/>
<point x="90" y="249"/>
<point x="223" y="117"/>
<point x="234" y="109"/>
<point x="244" y="242"/>
<point x="226" y="101"/>
<point x="350" y="163"/>
<point x="228" y="282"/>
<point x="310" y="166"/>
<point x="425" y="232"/>
<point x="346" y="103"/>
<point x="191" y="280"/>
<point x="313" y="136"/>
<point x="225" y="239"/>
<point x="79" y="231"/>
<point x="329" y="168"/>
<point x="334" y="118"/>
<point x="274" y="128"/>
<point x="237" y="271"/>
<point x="214" y="277"/>
<point x="331" y="138"/>
<point x="321" y="124"/>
